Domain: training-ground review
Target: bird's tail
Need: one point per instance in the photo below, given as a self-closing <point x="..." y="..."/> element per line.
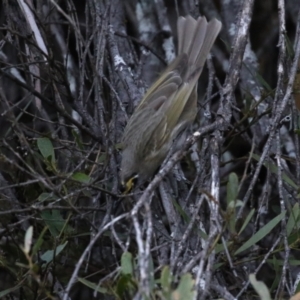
<point x="196" y="38"/>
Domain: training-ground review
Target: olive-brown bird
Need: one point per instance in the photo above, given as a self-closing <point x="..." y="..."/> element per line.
<point x="169" y="106"/>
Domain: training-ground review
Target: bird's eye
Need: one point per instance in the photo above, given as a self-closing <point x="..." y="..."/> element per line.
<point x="129" y="184"/>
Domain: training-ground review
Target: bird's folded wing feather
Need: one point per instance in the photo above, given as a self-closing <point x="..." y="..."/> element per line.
<point x="172" y="74"/>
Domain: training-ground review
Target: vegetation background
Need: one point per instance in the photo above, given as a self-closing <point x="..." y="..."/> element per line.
<point x="222" y="213"/>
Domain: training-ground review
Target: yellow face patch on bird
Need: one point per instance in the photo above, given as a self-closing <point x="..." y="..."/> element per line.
<point x="129" y="184"/>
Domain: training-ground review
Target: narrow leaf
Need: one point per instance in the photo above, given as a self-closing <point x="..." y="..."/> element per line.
<point x="55" y="222"/>
<point x="166" y="279"/>
<point x="292" y="219"/>
<point x="126" y="263"/>
<point x="39" y="242"/>
<point x="273" y="168"/>
<point x="81" y="177"/>
<point x="48" y="256"/>
<point x="260" y="288"/>
<point x="249" y="217"/>
<point x="232" y="192"/>
<point x="260" y="234"/>
<point x="47" y="197"/>
<point x="93" y="286"/>
<point x="232" y="188"/>
<point x="28" y="239"/>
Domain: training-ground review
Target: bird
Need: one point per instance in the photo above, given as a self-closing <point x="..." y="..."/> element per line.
<point x="169" y="106"/>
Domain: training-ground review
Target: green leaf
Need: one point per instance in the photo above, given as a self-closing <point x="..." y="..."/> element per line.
<point x="55" y="222"/>
<point x="93" y="286"/>
<point x="220" y="247"/>
<point x="292" y="219"/>
<point x="249" y="217"/>
<point x="166" y="280"/>
<point x="126" y="285"/>
<point x="232" y="192"/>
<point x="260" y="234"/>
<point x="77" y="139"/>
<point x="263" y="82"/>
<point x="202" y="234"/>
<point x="126" y="263"/>
<point x="28" y="239"/>
<point x="289" y="46"/>
<point x="277" y="270"/>
<point x="185" y="289"/>
<point x="47" y="197"/>
<point x="102" y="158"/>
<point x="46" y="148"/>
<point x="48" y="256"/>
<point x="235" y="204"/>
<point x="81" y="177"/>
<point x="280" y="262"/>
<point x="181" y="211"/>
<point x="39" y="242"/>
<point x="232" y="188"/>
<point x="217" y="266"/>
<point x="273" y="168"/>
<point x="293" y="239"/>
<point x="260" y="288"/>
<point x="259" y="79"/>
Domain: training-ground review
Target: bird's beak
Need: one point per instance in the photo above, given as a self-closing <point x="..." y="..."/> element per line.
<point x="127" y="186"/>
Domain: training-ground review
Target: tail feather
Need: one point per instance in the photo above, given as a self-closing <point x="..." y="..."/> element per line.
<point x="212" y="31"/>
<point x="196" y="38"/>
<point x="186" y="31"/>
<point x="195" y="50"/>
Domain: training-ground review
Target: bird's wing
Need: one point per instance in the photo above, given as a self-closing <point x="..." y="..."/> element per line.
<point x="158" y="135"/>
<point x="172" y="109"/>
<point x="142" y="119"/>
<point x="148" y="117"/>
<point x="173" y="74"/>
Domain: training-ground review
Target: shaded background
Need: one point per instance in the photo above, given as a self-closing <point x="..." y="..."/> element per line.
<point x="71" y="74"/>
